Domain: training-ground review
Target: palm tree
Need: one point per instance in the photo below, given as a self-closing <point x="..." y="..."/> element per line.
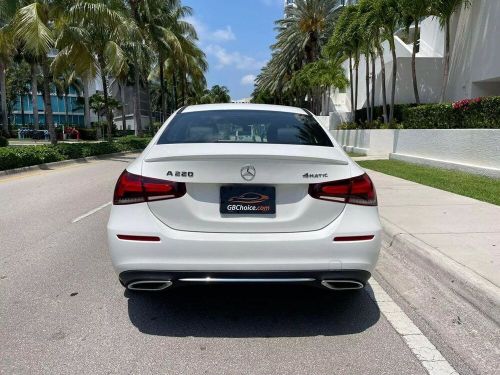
<point x="444" y="9"/>
<point x="167" y="32"/>
<point x="301" y="34"/>
<point x="64" y="83"/>
<point x="415" y="10"/>
<point x="346" y="42"/>
<point x="32" y="29"/>
<point x="92" y="42"/>
<point x="388" y="13"/>
<point x="324" y="73"/>
<point x="6" y="51"/>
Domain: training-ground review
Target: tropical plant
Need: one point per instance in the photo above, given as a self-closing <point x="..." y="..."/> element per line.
<point x="7" y="10"/>
<point x="389" y="15"/>
<point x="33" y="30"/>
<point x="63" y="83"/>
<point x="415" y="10"/>
<point x="17" y="79"/>
<point x="91" y="42"/>
<point x="323" y="74"/>
<point x="345" y="43"/>
<point x="444" y="9"/>
<point x="217" y="94"/>
<point x="134" y="41"/>
<point x="301" y="34"/>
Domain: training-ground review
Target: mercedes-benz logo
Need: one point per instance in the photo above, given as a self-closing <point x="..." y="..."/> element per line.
<point x="248" y="172"/>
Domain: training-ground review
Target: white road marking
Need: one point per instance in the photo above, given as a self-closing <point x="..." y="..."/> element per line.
<point x="426" y="353"/>
<point x="90" y="212"/>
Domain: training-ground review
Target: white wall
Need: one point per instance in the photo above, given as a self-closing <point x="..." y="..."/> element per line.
<point x="474" y="65"/>
<point x="471" y="150"/>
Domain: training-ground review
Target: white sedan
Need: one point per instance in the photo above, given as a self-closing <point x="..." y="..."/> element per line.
<point x="243" y="193"/>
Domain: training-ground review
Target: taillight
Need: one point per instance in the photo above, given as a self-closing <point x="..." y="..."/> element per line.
<point x="131" y="188"/>
<point x="356" y="190"/>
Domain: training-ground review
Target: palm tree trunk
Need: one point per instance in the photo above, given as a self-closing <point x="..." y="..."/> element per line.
<point x="356" y="84"/>
<point x="162" y="90"/>
<point x="367" y="81"/>
<point x="183" y="89"/>
<point x="446" y="60"/>
<point x="413" y="63"/>
<point x="49" y="120"/>
<point x="150" y="111"/>
<point x="374" y="77"/>
<point x="3" y="94"/>
<point x="137" y="103"/>
<point x="122" y="97"/>
<point x="109" y="114"/>
<point x="174" y="87"/>
<point x="86" y="100"/>
<point x="34" y="94"/>
<point x="66" y="109"/>
<point x="384" y="92"/>
<point x="352" y="90"/>
<point x="23" y="122"/>
<point x="394" y="77"/>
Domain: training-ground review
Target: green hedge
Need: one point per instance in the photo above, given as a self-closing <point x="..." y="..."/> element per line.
<point x="399" y="111"/>
<point x="24" y="156"/>
<point x="464" y="114"/>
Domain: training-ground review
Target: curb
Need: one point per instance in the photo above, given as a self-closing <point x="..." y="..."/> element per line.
<point x="48" y="166"/>
<point x="481" y="293"/>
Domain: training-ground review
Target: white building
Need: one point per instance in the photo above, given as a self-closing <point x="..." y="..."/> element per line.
<point x="474" y="64"/>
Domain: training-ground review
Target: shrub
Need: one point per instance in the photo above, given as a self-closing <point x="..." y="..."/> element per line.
<point x="481" y="113"/>
<point x="399" y="110"/>
<point x="432" y="116"/>
<point x="3" y="141"/>
<point x="88" y="134"/>
<point x="464" y="114"/>
<point x="131" y="142"/>
<point x="23" y="156"/>
<point x="123" y="133"/>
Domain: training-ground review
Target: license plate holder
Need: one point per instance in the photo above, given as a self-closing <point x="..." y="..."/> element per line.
<point x="248" y="200"/>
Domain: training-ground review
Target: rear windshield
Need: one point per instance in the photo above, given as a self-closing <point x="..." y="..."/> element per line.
<point x="245" y="126"/>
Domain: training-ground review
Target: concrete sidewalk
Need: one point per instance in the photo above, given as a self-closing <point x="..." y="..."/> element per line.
<point x="457" y="232"/>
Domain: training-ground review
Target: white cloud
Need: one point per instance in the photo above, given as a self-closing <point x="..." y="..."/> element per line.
<point x="236" y="59"/>
<point x="223" y="35"/>
<point x="205" y="34"/>
<point x="248" y="80"/>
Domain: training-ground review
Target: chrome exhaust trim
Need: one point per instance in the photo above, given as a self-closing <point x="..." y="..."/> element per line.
<point x="149" y="285"/>
<point x="246" y="280"/>
<point x="342" y="284"/>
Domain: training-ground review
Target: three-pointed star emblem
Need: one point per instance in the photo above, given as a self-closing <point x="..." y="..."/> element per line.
<point x="248" y="172"/>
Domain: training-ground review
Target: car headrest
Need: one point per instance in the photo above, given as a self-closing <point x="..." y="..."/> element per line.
<point x="277" y="133"/>
<point x="202" y="133"/>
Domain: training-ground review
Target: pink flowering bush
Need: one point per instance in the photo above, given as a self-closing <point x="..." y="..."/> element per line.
<point x="465" y="103"/>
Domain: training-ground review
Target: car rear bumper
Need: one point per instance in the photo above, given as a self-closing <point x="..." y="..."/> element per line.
<point x="208" y="277"/>
<point x="208" y="253"/>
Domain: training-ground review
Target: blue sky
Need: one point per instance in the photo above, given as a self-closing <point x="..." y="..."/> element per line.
<point x="235" y="35"/>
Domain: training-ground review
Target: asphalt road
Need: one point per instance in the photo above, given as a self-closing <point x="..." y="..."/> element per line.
<point x="62" y="309"/>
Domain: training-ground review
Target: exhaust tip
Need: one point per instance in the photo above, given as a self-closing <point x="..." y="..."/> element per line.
<point x="342" y="284"/>
<point x="149" y="285"/>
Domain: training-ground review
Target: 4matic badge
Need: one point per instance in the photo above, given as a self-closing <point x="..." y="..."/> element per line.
<point x="315" y="175"/>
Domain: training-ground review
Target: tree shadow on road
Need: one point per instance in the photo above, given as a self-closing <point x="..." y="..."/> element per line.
<point x="251" y="311"/>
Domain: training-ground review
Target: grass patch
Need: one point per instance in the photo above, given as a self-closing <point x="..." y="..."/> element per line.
<point x="470" y="185"/>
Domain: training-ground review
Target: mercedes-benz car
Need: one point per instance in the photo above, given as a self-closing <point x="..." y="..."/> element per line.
<point x="239" y="193"/>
